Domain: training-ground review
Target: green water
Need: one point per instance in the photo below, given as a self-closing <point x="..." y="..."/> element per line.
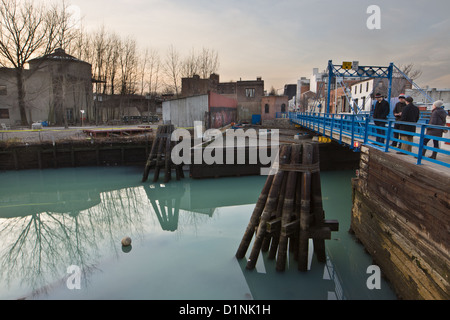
<point x="184" y="234"/>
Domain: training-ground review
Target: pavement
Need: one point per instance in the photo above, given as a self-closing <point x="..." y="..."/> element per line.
<point x="54" y="134"/>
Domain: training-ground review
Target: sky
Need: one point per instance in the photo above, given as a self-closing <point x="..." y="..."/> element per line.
<point x="283" y="40"/>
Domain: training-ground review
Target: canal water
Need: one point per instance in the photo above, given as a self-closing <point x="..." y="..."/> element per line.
<point x="61" y="234"/>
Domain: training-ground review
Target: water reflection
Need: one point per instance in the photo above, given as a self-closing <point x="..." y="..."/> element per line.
<point x="165" y="201"/>
<point x="322" y="281"/>
<point x="53" y="219"/>
<point x="49" y="225"/>
<point x="72" y="219"/>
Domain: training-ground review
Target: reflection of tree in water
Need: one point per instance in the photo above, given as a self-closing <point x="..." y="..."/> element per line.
<point x="80" y="222"/>
<point x="39" y="247"/>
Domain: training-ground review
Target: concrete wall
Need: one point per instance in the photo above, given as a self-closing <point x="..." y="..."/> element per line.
<point x="37" y="99"/>
<point x="55" y="86"/>
<point x="184" y="112"/>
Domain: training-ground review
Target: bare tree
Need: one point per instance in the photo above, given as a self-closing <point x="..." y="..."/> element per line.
<point x="153" y="73"/>
<point x="190" y="65"/>
<point x="62" y="29"/>
<point x="410" y="71"/>
<point x="399" y="82"/>
<point x="143" y="62"/>
<point x="26" y="31"/>
<point x="172" y="69"/>
<point x="208" y="62"/>
<point x="112" y="62"/>
<point x="128" y="64"/>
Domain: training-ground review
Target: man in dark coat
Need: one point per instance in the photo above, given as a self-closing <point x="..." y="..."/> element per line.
<point x="410" y="114"/>
<point x="401" y="104"/>
<point x="438" y="118"/>
<point x="381" y="112"/>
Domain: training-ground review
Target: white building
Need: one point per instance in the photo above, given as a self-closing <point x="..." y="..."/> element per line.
<point x="361" y="94"/>
<point x="317" y="77"/>
<point x="433" y="93"/>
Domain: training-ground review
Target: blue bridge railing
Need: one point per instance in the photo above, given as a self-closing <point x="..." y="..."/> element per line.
<point x="355" y="130"/>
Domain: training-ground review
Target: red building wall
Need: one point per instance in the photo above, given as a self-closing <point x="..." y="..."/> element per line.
<point x="222" y="110"/>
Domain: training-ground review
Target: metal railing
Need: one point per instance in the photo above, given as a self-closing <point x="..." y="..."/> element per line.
<point x="355" y="130"/>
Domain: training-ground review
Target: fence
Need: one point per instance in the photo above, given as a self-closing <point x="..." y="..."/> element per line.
<point x="357" y="129"/>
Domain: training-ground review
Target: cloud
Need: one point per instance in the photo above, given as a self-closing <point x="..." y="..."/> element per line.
<point x="285" y="39"/>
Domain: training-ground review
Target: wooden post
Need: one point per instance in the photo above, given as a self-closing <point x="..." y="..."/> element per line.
<point x="305" y="215"/>
<point x="160" y="156"/>
<point x="160" y="141"/>
<point x="151" y="156"/>
<point x="254" y="219"/>
<point x="317" y="207"/>
<point x="288" y="209"/>
<point x="268" y="209"/>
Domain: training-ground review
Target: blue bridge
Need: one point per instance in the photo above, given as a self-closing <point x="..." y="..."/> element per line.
<point x="355" y="130"/>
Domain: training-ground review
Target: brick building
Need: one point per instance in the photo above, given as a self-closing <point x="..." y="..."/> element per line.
<point x="271" y="105"/>
<point x="248" y="93"/>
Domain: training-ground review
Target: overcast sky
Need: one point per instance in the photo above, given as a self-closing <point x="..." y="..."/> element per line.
<point x="283" y="40"/>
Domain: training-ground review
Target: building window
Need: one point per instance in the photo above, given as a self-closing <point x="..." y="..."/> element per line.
<point x="283" y="108"/>
<point x="266" y="108"/>
<point x="367" y="86"/>
<point x="4" y="114"/>
<point x="250" y="93"/>
<point x="3" y="91"/>
<point x="69" y="112"/>
<point x="360" y="88"/>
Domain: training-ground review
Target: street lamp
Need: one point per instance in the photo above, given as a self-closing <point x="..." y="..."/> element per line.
<point x="82" y="116"/>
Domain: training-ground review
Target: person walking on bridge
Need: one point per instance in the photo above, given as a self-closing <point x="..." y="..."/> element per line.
<point x="438" y="118"/>
<point x="409" y="114"/>
<point x="381" y="112"/>
<point x="401" y="104"/>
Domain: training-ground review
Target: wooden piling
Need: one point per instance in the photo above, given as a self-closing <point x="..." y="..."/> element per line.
<point x="160" y="156"/>
<point x="305" y="211"/>
<point x="289" y="211"/>
<point x="268" y="209"/>
<point x="254" y="219"/>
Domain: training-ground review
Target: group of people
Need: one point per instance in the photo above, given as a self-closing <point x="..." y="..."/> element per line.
<point x="406" y="111"/>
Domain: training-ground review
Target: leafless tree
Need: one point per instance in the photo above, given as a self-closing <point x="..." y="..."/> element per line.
<point x="128" y="64"/>
<point x="399" y="82"/>
<point x="410" y="71"/>
<point x="28" y="30"/>
<point x="190" y="65"/>
<point x="203" y="64"/>
<point x="153" y="72"/>
<point x="208" y="62"/>
<point x="172" y="69"/>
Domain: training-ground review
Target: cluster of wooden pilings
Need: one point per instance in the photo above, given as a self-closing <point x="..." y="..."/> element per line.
<point x="160" y="156"/>
<point x="289" y="211"/>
